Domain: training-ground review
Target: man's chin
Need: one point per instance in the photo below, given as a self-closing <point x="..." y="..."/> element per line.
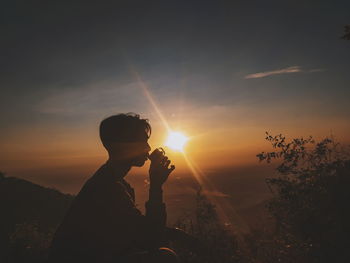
<point x="139" y="163"/>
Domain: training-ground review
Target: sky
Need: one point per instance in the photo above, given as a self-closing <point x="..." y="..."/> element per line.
<point x="222" y="72"/>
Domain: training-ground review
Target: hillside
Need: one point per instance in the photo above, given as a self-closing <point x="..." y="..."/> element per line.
<point x="26" y="207"/>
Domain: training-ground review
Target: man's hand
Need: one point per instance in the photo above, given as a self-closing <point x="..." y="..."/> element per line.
<point x="159" y="169"/>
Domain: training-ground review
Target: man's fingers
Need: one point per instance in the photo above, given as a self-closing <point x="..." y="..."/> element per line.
<point x="169" y="170"/>
<point x="164" y="160"/>
<point x="166" y="164"/>
<point x="157" y="154"/>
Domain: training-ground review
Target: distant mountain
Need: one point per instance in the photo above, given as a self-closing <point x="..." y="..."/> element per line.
<point x="23" y="202"/>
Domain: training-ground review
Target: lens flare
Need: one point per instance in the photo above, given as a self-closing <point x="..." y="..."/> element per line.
<point x="176" y="141"/>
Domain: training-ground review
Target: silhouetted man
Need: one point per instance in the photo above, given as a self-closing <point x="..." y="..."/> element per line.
<point x="103" y="223"/>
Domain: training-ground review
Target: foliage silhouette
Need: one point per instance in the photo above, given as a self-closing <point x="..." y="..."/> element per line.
<point x="218" y="243"/>
<point x="29" y="244"/>
<point x="310" y="198"/>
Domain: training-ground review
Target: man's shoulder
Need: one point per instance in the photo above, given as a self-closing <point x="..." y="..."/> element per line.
<point x="101" y="171"/>
<point x="100" y="175"/>
<point x="94" y="182"/>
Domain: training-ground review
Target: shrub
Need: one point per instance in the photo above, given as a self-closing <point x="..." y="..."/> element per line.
<point x="29" y="244"/>
<point x="310" y="203"/>
<point x="218" y="245"/>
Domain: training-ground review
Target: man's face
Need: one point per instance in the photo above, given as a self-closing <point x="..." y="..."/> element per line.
<point x="135" y="153"/>
<point x="139" y="152"/>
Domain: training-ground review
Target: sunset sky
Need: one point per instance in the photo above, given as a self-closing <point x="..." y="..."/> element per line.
<point x="222" y="72"/>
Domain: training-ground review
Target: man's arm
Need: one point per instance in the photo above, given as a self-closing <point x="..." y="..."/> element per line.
<point x="155" y="208"/>
<point x="159" y="172"/>
<point x="140" y="231"/>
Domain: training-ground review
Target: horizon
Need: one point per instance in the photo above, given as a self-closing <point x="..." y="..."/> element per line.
<point x="221" y="73"/>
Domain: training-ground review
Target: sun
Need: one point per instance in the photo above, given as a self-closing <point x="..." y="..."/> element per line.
<point x="176" y="141"/>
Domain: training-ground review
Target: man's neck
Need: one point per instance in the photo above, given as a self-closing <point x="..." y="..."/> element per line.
<point x="118" y="168"/>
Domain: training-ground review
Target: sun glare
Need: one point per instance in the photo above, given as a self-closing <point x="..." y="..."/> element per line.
<point x="176" y="141"/>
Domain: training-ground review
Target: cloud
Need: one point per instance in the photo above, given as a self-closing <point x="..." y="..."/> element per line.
<point x="293" y="69"/>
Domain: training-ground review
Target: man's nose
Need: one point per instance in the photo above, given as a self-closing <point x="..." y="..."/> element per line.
<point x="148" y="148"/>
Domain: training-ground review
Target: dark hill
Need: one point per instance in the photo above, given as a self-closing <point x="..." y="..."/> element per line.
<point x="29" y="204"/>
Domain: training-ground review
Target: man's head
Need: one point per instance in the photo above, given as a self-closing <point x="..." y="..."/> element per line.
<point x="125" y="138"/>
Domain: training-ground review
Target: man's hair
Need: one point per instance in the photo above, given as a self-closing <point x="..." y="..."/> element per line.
<point x="123" y="128"/>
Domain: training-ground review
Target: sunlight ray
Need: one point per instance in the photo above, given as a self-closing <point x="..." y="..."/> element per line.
<point x="198" y="174"/>
<point x="143" y="86"/>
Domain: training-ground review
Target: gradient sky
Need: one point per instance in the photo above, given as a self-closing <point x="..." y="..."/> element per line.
<point x="223" y="72"/>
